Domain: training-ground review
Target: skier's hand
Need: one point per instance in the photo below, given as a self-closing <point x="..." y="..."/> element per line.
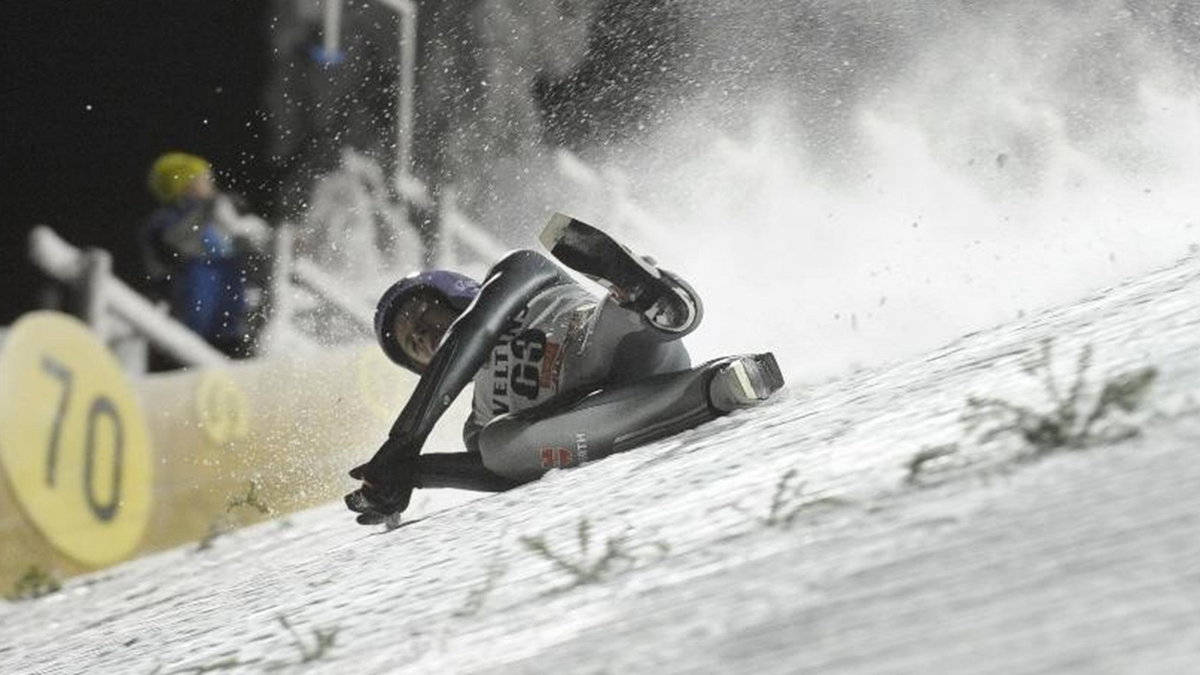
<point x="388" y="481"/>
<point x="375" y="505"/>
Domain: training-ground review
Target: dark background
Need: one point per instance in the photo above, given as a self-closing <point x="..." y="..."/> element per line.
<point x="91" y="92"/>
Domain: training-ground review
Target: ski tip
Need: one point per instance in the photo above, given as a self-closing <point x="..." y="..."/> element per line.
<point x="553" y="232"/>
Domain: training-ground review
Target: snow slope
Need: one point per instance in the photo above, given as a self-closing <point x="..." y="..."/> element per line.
<point x="981" y="561"/>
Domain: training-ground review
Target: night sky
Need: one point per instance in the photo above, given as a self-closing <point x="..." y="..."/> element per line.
<point x="93" y="92"/>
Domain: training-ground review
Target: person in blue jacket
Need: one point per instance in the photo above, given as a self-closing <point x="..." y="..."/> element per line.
<point x="195" y="251"/>
<point x="561" y="377"/>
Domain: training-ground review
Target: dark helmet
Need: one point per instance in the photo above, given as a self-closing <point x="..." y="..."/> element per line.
<point x="456" y="290"/>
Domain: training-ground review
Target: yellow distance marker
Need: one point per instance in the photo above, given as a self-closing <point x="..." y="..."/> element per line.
<point x="73" y="441"/>
<point x="221" y="408"/>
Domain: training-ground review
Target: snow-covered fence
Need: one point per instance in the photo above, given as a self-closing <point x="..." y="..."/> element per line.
<point x="609" y="188"/>
<point x="459" y="233"/>
<point x="122" y="318"/>
<point x="125" y="321"/>
<point x="328" y="287"/>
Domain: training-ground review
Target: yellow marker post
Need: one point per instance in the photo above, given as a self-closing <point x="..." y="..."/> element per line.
<point x="73" y="442"/>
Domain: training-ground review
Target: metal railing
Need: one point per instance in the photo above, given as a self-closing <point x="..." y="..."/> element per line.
<point x="119" y="315"/>
<point x="128" y="323"/>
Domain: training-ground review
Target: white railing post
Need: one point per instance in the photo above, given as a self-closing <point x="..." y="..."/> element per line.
<point x="129" y="347"/>
<point x="279" y="293"/>
<point x="89" y="287"/>
<point x="282" y="259"/>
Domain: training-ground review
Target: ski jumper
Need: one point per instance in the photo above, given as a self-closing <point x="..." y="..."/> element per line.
<point x="560" y="378"/>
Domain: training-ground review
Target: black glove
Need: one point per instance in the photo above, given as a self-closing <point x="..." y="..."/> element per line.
<point x="388" y="481"/>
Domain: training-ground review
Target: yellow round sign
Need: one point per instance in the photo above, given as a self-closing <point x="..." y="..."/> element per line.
<point x="221" y="408"/>
<point x="73" y="443"/>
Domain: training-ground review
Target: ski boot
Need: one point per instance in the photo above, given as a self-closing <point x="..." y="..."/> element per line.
<point x="744" y="381"/>
<point x="664" y="300"/>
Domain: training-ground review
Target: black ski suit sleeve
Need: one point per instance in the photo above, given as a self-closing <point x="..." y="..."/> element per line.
<point x="510" y="285"/>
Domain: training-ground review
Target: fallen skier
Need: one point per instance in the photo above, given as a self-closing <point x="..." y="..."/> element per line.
<point x="561" y="378"/>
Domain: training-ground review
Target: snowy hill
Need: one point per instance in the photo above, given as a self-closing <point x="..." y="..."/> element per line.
<point x="855" y="526"/>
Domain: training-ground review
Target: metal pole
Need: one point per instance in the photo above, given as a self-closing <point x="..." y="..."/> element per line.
<point x="407" y="44"/>
<point x="408" y="85"/>
<point x="333" y="27"/>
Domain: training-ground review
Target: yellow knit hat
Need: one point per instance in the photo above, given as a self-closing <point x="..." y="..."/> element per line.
<point x="173" y="172"/>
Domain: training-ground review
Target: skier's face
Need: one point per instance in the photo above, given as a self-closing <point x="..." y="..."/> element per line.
<point x="420" y="325"/>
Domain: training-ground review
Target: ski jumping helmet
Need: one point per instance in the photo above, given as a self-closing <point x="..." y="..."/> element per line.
<point x="456" y="290"/>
